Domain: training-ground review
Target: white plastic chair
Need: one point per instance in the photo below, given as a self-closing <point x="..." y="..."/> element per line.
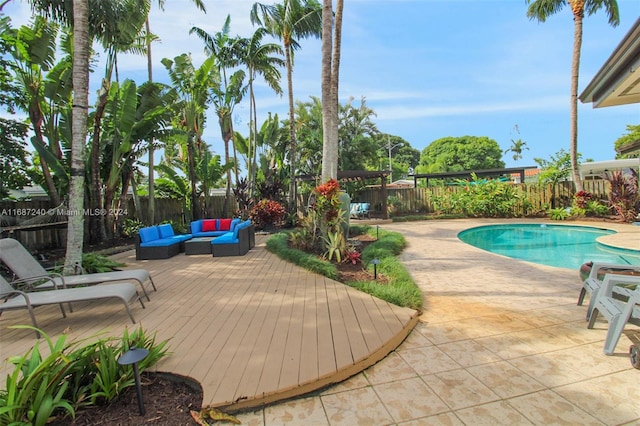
<point x="618" y="305"/>
<point x="592" y="284"/>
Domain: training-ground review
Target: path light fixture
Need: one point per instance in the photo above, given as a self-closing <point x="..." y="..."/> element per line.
<point x="375" y="262"/>
<point x="133" y="357"/>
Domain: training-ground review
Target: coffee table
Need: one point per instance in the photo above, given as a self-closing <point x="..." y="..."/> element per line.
<point x="200" y="245"/>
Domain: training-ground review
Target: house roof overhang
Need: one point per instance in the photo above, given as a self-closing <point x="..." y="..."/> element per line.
<point x="618" y="81"/>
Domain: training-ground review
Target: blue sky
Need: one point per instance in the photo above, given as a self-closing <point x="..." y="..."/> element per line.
<point x="429" y="69"/>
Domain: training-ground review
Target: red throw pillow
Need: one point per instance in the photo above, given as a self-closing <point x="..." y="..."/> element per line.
<point x="225" y="224"/>
<point x="208" y="225"/>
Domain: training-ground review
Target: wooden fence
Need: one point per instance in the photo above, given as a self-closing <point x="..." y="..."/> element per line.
<point x="420" y="200"/>
<point x="49" y="230"/>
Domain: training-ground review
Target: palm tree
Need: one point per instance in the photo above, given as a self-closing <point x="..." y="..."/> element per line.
<point x="152" y="205"/>
<point x="331" y="45"/>
<point x="541" y="10"/>
<point x="517" y="146"/>
<point x="193" y="86"/>
<point x="289" y="21"/>
<point x="119" y="31"/>
<point x="260" y="59"/>
<point x="80" y="107"/>
<point x="227" y="91"/>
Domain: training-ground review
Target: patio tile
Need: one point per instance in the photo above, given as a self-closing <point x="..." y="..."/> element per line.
<point x="409" y="399"/>
<point x="444" y="419"/>
<point x="548" y="408"/>
<point x="459" y="389"/>
<point x="356" y="407"/>
<point x="415" y="340"/>
<point x="428" y="360"/>
<point x="252" y="418"/>
<point x="504" y="379"/>
<point x="308" y="411"/>
<point x="549" y="370"/>
<point x="468" y="353"/>
<point x="354" y="382"/>
<point x="390" y="369"/>
<point x="598" y="396"/>
<point x="494" y="413"/>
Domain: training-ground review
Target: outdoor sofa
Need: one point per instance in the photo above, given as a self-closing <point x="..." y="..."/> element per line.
<point x="159" y="242"/>
<point x="236" y="242"/>
<point x="212" y="227"/>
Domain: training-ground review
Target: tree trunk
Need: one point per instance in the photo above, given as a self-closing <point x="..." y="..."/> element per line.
<point x="75" y="230"/>
<point x="330" y="87"/>
<point x="292" y="130"/>
<point x="191" y="154"/>
<point x="152" y="200"/>
<point x="575" y="69"/>
<point x="97" y="226"/>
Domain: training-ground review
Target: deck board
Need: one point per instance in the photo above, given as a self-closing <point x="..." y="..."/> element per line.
<point x="251" y="329"/>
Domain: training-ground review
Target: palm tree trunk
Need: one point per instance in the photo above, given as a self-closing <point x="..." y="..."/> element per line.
<point x="152" y="199"/>
<point x="575" y="69"/>
<point x="292" y="131"/>
<point x="75" y="230"/>
<point x="329" y="144"/>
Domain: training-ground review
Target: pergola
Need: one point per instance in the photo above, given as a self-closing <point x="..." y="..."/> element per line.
<point x="487" y="173"/>
<point x="358" y="176"/>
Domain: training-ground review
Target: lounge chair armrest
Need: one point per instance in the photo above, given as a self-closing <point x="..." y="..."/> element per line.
<point x="18" y="292"/>
<point x="611" y="280"/>
<point x="596" y="266"/>
<point x="31" y="281"/>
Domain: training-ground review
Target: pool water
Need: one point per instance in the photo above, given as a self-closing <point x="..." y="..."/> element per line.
<point x="554" y="245"/>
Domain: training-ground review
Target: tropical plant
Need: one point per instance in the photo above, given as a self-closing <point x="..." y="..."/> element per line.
<point x="556" y="169"/>
<point x="267" y="213"/>
<point x="260" y="59"/>
<point x="540" y="10"/>
<point x="335" y="245"/>
<point x="71" y="375"/>
<point x="289" y="21"/>
<point x="193" y="86"/>
<point x="558" y="214"/>
<point x="624" y="197"/>
<point x="151" y="164"/>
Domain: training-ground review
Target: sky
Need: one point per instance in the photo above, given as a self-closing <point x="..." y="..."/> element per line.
<point x="428" y="68"/>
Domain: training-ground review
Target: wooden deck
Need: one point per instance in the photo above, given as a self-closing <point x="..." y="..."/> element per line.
<point x="251" y="329"/>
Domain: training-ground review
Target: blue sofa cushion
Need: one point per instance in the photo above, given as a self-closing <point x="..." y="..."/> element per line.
<point x="165" y="230"/>
<point x="160" y="243"/>
<point x="148" y="234"/>
<point x="227" y="238"/>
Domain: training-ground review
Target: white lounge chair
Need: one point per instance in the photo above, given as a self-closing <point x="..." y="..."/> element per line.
<point x="11" y="299"/>
<point x="28" y="269"/>
<point x="593" y="284"/>
<point x="617" y="307"/>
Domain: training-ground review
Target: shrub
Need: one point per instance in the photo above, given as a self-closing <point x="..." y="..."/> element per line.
<point x="558" y="214"/>
<point x="130" y="227"/>
<point x="267" y="213"/>
<point x="624" y="197"/>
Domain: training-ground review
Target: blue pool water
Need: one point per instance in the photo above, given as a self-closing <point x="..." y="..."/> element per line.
<point x="554" y="245"/>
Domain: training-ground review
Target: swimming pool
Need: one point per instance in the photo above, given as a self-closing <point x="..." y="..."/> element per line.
<point x="563" y="246"/>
